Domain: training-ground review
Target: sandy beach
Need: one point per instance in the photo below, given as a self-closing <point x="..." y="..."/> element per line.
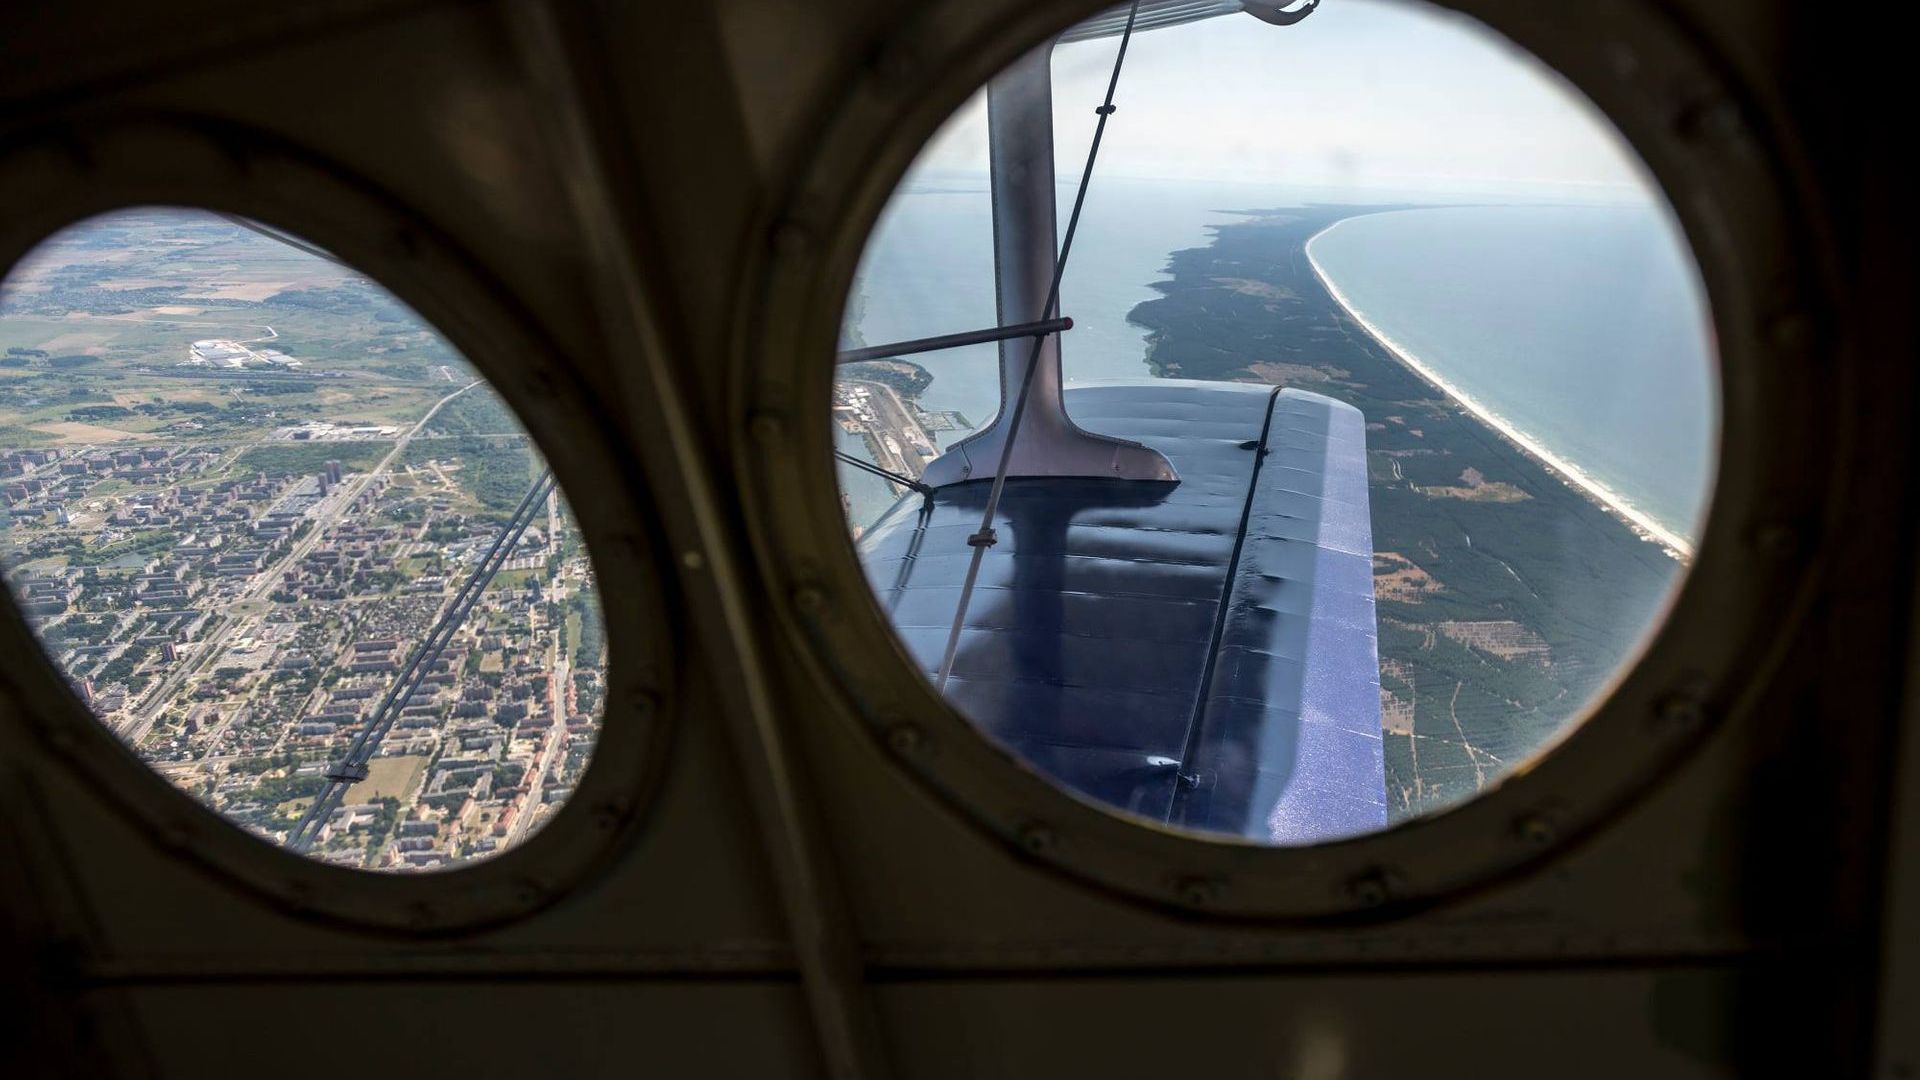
<point x="1679" y="547"/>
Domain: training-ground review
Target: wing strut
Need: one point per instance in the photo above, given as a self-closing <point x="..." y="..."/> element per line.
<point x="981" y="540"/>
<point x="352" y="767"/>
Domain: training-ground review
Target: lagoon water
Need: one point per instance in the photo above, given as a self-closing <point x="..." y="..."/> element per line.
<point x="1583" y="326"/>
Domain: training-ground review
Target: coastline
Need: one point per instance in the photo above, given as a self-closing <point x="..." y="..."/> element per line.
<point x="1676" y="546"/>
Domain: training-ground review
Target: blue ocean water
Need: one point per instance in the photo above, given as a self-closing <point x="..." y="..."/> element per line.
<point x="1585" y="327"/>
<point x="1582" y="325"/>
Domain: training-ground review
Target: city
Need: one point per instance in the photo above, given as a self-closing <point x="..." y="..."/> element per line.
<point x="233" y="569"/>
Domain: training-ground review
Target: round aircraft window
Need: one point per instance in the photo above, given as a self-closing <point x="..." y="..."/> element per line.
<point x="1314" y="464"/>
<point x="288" y="545"/>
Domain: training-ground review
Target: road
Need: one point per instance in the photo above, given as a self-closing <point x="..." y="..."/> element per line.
<point x="557" y="691"/>
<point x="268" y="579"/>
<point x="897" y="440"/>
<point x="325" y="520"/>
<point x="556" y="736"/>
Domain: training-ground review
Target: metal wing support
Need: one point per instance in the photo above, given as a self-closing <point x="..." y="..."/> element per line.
<point x="1020" y="136"/>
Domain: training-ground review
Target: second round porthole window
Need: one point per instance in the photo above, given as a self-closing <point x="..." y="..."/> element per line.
<point x="1362" y="444"/>
<point x="288" y="545"/>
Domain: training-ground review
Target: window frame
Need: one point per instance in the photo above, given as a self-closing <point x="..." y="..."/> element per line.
<point x="1728" y="173"/>
<point x="64" y="179"/>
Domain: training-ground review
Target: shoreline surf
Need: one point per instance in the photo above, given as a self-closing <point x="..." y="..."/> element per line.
<point x="1675" y="545"/>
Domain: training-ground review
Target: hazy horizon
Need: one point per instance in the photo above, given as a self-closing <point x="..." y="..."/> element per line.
<point x="1389" y="98"/>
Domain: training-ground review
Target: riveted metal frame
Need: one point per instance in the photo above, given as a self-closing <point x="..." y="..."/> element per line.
<point x="58" y="178"/>
<point x="1786" y="394"/>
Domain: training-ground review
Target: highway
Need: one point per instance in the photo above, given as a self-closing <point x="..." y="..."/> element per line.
<point x="557" y="693"/>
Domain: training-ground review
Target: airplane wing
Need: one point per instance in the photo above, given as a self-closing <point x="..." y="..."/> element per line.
<point x="1154" y="15"/>
<point x="1200" y="653"/>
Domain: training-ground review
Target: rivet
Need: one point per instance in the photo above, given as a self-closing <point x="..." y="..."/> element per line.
<point x="894" y="64"/>
<point x="1681" y="711"/>
<point x="643" y="700"/>
<point x="404" y="243"/>
<point x="905" y="739"/>
<point x="1623" y="59"/>
<point x="765" y="428"/>
<point x="174" y="835"/>
<point x="539" y="385"/>
<point x="1038" y="839"/>
<point x="608" y="814"/>
<point x="528" y="890"/>
<point x="792" y="240"/>
<point x="1198" y="891"/>
<point x="1369" y="889"/>
<point x="809" y="599"/>
<point x="1776" y="540"/>
<point x="238" y="155"/>
<point x="79" y="150"/>
<point x="1790" y="333"/>
<point x="1709" y="120"/>
<point x="1535" y="830"/>
<point x="692" y="560"/>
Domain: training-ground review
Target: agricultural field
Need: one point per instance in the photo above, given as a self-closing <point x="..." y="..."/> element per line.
<point x="101" y="329"/>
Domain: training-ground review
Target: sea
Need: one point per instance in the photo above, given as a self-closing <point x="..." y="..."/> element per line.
<point x="1580" y="328"/>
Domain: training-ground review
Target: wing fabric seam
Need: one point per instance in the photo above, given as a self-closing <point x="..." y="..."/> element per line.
<point x="1176" y="801"/>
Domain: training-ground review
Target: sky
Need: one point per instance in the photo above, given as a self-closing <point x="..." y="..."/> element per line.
<point x="1382" y="95"/>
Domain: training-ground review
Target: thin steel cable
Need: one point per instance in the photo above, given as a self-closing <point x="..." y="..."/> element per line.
<point x="410" y="678"/>
<point x="368" y="741"/>
<point x="293" y="242"/>
<point x="902" y="479"/>
<point x="985" y="538"/>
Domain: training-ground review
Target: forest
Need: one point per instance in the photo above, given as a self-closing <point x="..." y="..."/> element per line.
<point x="1505" y="598"/>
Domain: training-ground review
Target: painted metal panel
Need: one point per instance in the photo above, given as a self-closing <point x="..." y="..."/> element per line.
<point x="1098" y="648"/>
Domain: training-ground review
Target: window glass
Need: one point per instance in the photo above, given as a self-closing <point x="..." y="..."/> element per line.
<point x="1431" y="359"/>
<point x="288" y="545"/>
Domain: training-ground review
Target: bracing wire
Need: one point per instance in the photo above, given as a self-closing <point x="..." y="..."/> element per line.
<point x="419" y="666"/>
<point x="903" y="480"/>
<point x="983" y="539"/>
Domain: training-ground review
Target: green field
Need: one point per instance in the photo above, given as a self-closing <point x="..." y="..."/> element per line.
<point x="298" y="459"/>
<point x="494" y="473"/>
